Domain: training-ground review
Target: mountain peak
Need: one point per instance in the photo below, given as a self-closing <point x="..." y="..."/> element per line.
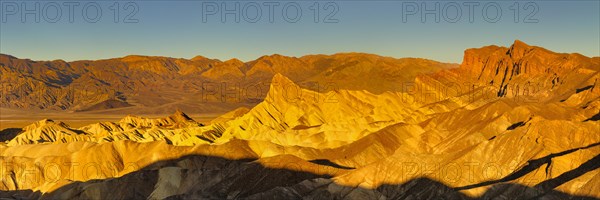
<point x="520" y="43"/>
<point x="276" y="59"/>
<point x="234" y="61"/>
<point x="281" y="79"/>
<point x="134" y="58"/>
<point x="279" y="83"/>
<point x="275" y="55"/>
<point x="518" y="49"/>
<point x="181" y="116"/>
<point x="199" y="58"/>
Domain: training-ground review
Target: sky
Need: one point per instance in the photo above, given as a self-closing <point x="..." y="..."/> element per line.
<point x="90" y="30"/>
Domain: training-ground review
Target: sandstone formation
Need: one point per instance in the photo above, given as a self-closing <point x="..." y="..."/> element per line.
<point x="517" y="122"/>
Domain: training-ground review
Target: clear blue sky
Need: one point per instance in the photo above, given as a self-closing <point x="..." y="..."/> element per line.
<point x="178" y="29"/>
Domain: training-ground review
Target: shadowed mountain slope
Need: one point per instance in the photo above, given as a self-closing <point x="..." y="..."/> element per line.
<point x="254" y="179"/>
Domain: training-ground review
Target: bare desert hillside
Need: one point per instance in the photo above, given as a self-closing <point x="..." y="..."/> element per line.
<point x="159" y="85"/>
<point x="518" y="122"/>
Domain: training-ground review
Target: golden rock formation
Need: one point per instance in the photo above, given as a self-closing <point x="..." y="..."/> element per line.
<point x="518" y="122"/>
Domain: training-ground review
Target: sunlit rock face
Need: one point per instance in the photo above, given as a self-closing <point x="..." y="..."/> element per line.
<point x="517" y="122"/>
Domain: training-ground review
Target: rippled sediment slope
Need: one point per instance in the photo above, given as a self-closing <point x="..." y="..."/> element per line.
<point x="518" y="122"/>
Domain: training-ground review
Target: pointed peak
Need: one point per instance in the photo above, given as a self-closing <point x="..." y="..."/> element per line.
<point x="180" y="115"/>
<point x="279" y="84"/>
<point x="280" y="79"/>
<point x="518" y="49"/>
<point x="519" y="44"/>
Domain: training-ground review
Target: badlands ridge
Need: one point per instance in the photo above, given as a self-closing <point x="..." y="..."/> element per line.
<point x="517" y="122"/>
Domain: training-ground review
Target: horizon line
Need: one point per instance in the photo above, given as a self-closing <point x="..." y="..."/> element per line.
<point x="278" y="54"/>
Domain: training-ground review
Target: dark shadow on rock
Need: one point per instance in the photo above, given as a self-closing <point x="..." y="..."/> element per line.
<point x="204" y="177"/>
<point x="596" y="117"/>
<point x="517" y="191"/>
<point x="578" y="90"/>
<point x="209" y="177"/>
<point x="531" y="166"/>
<point x="329" y="163"/>
<point x="588" y="166"/>
<point x="421" y="188"/>
<point x="9" y="133"/>
<point x="515" y="125"/>
<point x="19" y="194"/>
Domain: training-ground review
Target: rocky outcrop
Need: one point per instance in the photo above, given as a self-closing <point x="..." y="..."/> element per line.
<point x="523" y="66"/>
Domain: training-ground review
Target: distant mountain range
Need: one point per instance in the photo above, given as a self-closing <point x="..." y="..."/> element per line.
<point x="159" y="85"/>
